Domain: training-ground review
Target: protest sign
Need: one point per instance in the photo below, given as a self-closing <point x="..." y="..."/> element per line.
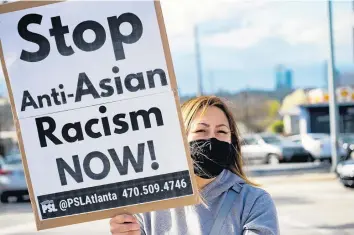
<point x="94" y="100"/>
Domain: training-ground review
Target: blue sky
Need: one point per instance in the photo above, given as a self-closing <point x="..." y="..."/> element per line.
<point x="242" y="41"/>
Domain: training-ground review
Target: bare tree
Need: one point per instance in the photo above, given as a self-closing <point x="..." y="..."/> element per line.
<point x="6" y="120"/>
<point x="256" y="112"/>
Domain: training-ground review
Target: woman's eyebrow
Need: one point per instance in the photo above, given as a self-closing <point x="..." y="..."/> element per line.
<point x="220" y="125"/>
<point x="204" y="124"/>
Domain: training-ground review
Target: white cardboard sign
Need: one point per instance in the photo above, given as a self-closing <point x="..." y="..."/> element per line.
<point x="95" y="105"/>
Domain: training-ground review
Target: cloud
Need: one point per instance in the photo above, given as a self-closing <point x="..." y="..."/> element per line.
<point x="181" y="16"/>
<point x="294" y="22"/>
<point x="240" y="39"/>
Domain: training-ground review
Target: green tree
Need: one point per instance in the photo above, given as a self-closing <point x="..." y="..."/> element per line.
<point x="277" y="127"/>
<point x="273" y="108"/>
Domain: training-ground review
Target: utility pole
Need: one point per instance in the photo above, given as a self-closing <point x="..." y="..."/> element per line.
<point x="333" y="107"/>
<point x="198" y="60"/>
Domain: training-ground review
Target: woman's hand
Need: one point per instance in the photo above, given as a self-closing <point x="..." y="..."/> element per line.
<point x="124" y="225"/>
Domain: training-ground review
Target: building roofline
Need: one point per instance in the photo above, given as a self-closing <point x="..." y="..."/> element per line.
<point x="325" y="104"/>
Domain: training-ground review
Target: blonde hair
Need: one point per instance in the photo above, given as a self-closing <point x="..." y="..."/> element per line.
<point x="189" y="110"/>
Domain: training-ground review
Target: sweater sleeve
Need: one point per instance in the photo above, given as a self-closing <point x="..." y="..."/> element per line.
<point x="262" y="218"/>
<point x="140" y="218"/>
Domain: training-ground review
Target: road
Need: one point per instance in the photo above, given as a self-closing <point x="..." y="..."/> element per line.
<point x="312" y="204"/>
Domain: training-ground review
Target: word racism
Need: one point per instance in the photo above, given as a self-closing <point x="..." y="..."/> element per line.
<point x="107" y="88"/>
<point x="119" y="120"/>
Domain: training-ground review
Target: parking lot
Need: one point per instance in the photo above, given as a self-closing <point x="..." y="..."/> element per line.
<point x="308" y="204"/>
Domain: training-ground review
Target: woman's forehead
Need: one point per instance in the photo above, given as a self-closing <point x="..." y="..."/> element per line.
<point x="212" y="116"/>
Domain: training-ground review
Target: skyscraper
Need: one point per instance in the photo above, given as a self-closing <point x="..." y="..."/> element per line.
<point x="278" y="77"/>
<point x="283" y="78"/>
<point x="288" y="79"/>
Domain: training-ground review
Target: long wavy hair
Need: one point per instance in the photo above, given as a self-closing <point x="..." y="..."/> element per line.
<point x="189" y="110"/>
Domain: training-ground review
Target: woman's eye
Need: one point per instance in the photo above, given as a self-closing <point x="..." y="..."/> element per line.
<point x="197" y="131"/>
<point x="223" y="132"/>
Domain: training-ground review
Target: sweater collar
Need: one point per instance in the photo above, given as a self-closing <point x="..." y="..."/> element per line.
<point x="222" y="183"/>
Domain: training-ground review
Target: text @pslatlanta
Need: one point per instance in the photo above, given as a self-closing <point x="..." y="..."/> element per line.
<point x="141" y="191"/>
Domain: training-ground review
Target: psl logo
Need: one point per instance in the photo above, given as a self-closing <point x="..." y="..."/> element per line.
<point x="48" y="206"/>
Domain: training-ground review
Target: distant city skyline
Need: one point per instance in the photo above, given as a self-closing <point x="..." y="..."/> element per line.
<point x="283" y="76"/>
<point x="243" y="41"/>
<point x="241" y="45"/>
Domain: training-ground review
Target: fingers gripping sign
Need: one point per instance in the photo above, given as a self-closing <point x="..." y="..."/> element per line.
<point x="125" y="224"/>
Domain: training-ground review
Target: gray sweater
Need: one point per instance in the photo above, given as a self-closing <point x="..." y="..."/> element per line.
<point x="253" y="212"/>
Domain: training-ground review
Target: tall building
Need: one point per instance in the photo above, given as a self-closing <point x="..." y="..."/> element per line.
<point x="283" y="78"/>
<point x="278" y="77"/>
<point x="288" y="79"/>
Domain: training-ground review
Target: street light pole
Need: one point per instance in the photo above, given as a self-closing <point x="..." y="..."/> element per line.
<point x="198" y="60"/>
<point x="333" y="108"/>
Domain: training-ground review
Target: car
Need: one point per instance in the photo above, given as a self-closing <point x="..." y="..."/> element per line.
<point x="345" y="172"/>
<point x="347" y="142"/>
<point x="318" y="145"/>
<point x="12" y="179"/>
<point x="271" y="149"/>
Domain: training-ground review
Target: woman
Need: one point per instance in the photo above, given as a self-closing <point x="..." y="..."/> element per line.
<point x="231" y="203"/>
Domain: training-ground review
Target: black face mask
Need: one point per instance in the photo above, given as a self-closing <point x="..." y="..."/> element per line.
<point x="211" y="157"/>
